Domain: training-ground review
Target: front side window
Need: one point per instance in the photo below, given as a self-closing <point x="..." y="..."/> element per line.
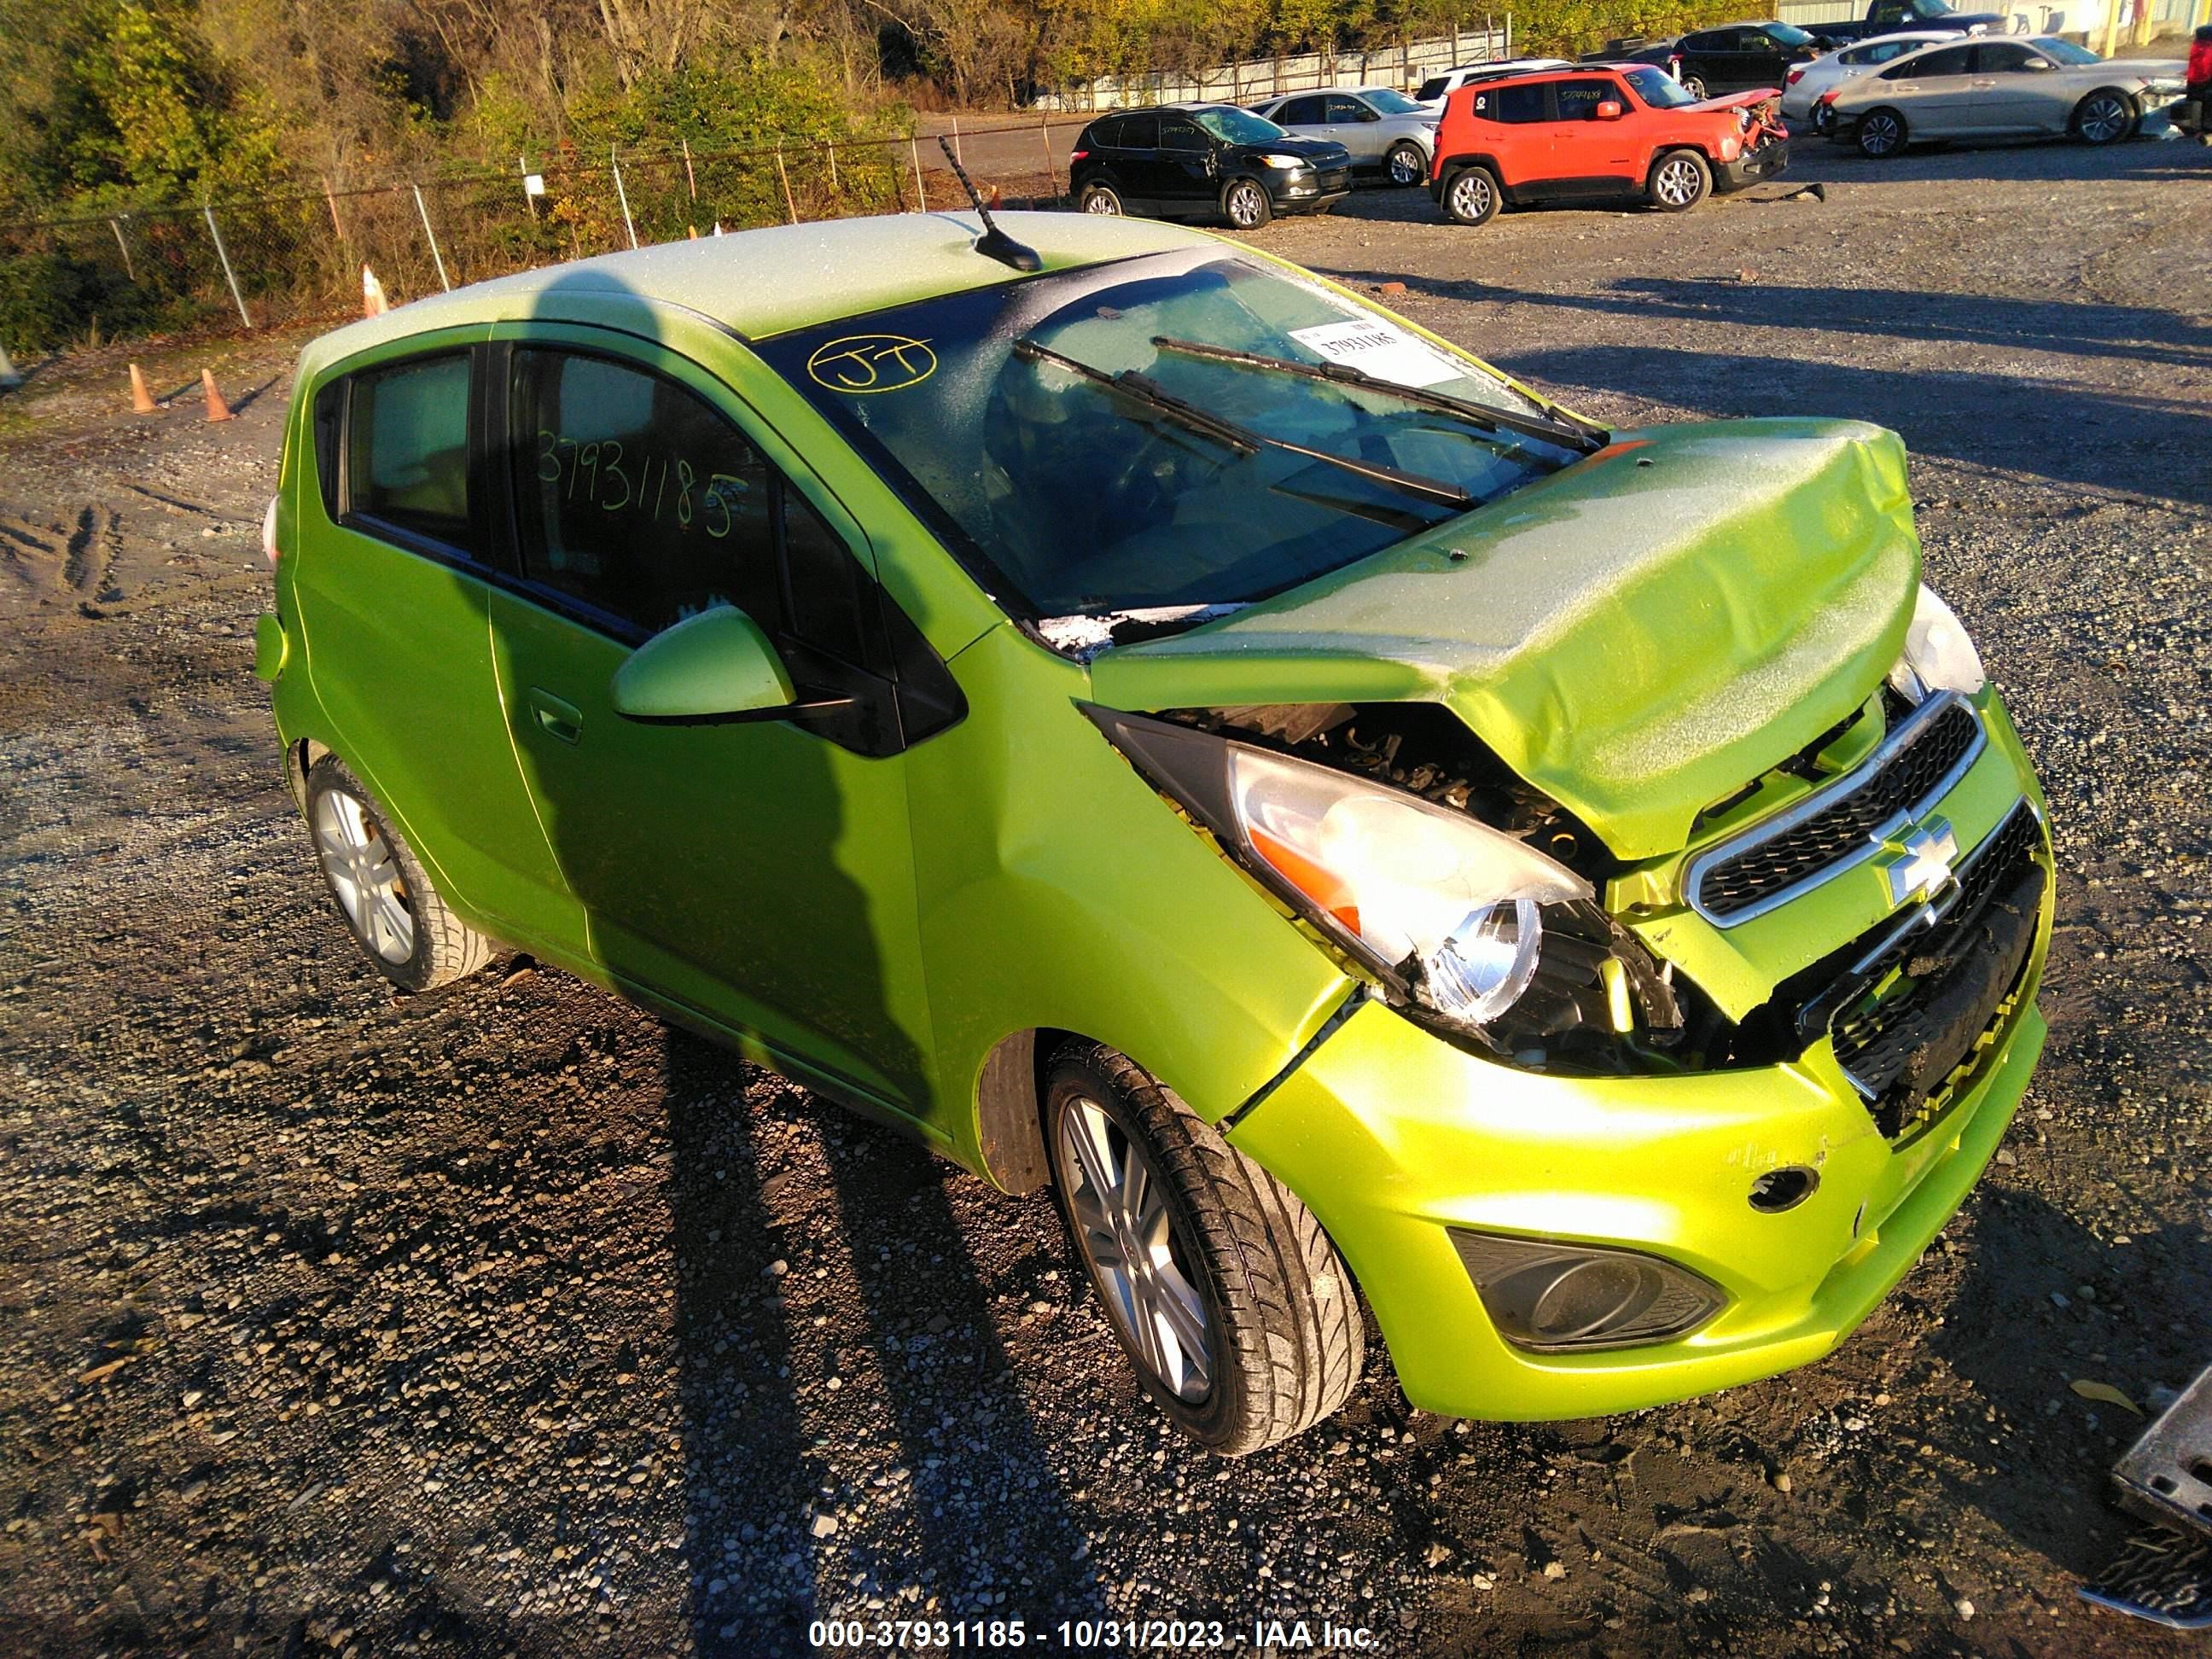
<point x="1579" y="100"/>
<point x="1656" y="89"/>
<point x="1788" y="37"/>
<point x="2065" y="52"/>
<point x="1238" y="126"/>
<point x="408" y="447"/>
<point x="1182" y="136"/>
<point x="1341" y="109"/>
<point x="1066" y="496"/>
<point x="2002" y="58"/>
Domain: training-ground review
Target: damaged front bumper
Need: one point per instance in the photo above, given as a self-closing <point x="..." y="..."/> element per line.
<point x="1769" y="161"/>
<point x="1399" y="1141"/>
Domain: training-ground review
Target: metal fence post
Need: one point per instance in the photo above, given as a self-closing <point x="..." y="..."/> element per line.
<point x="228" y="274"/>
<point x="115" y="225"/>
<point x="1051" y="167"/>
<point x="790" y="205"/>
<point x="835" y="188"/>
<point x="921" y="192"/>
<point x="691" y="179"/>
<point x="436" y="257"/>
<point x="621" y="195"/>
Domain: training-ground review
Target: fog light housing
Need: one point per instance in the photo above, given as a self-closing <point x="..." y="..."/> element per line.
<point x="1552" y="1296"/>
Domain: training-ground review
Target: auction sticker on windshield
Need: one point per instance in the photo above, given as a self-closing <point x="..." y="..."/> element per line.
<point x="1377" y="348"/>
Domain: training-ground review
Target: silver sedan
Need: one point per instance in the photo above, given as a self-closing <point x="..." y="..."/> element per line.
<point x="1996" y="87"/>
<point x="1386" y="132"/>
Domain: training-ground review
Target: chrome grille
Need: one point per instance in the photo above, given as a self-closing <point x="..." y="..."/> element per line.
<point x="1841" y="825"/>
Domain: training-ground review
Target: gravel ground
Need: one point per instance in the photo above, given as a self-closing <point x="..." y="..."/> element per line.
<point x="508" y="1321"/>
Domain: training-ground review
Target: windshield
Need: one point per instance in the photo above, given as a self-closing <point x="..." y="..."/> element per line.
<point x="2066" y="51"/>
<point x="1383" y="101"/>
<point x="1068" y="496"/>
<point x="1788" y="34"/>
<point x="1657" y="88"/>
<point x="1238" y="126"/>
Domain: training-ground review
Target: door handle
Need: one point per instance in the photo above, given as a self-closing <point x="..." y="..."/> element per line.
<point x="1983" y="86"/>
<point x="562" y="720"/>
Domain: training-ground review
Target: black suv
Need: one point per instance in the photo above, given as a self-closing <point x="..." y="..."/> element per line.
<point x="1189" y="159"/>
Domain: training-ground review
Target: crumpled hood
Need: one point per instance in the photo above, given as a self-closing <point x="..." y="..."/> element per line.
<point x="1638" y="635"/>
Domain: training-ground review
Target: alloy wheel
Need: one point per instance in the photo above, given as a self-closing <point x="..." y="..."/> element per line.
<point x="1135" y="1254"/>
<point x="2103" y="118"/>
<point x="1695" y="88"/>
<point x="1404" y="166"/>
<point x="1677" y="184"/>
<point x="358" y="860"/>
<point x="1245" y="205"/>
<point x="1100" y="201"/>
<point x="1879" y="134"/>
<point x="1471" y="196"/>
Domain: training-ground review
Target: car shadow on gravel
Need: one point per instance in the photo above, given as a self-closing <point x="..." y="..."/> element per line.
<point x="2105" y="441"/>
<point x="2045" y="1302"/>
<point x="776" y="1398"/>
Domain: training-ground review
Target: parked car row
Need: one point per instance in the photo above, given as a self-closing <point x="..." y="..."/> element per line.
<point x="1669" y="123"/>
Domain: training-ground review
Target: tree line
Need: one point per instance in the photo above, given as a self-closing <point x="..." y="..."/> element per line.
<point x="108" y="103"/>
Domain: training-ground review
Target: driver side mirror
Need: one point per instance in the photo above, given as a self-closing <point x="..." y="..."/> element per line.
<point x="2038" y="65"/>
<point x="715" y="667"/>
<point x="1608" y="110"/>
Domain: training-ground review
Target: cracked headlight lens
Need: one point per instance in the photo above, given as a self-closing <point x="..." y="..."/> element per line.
<point x="1939" y="655"/>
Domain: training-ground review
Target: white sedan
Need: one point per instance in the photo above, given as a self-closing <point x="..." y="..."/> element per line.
<point x="1807" y="81"/>
<point x="1991" y="88"/>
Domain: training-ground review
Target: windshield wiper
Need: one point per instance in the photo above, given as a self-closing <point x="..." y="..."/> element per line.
<point x="1579" y="435"/>
<point x="1143" y="390"/>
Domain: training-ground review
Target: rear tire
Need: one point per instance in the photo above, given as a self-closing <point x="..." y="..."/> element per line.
<point x="1472" y="197"/>
<point x="1695" y="88"/>
<point x="1679" y="180"/>
<point x="1405" y="164"/>
<point x="1231" y="1302"/>
<point x="1094" y="198"/>
<point x="2105" y="117"/>
<point x="1245" y="203"/>
<point x="395" y="915"/>
<point x="1882" y="133"/>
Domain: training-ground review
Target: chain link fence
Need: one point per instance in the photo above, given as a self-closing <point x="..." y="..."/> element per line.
<point x="273" y="261"/>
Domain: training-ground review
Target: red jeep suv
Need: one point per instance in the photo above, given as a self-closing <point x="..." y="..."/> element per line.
<point x="1599" y="129"/>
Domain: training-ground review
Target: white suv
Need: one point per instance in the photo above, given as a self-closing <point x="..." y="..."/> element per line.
<point x="1438" y="88"/>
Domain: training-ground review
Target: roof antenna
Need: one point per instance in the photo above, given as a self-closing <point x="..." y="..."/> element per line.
<point x="994" y="243"/>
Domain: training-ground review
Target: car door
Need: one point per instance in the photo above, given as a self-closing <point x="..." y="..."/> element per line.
<point x="1137" y="158"/>
<point x="1590" y="156"/>
<point x="1305" y="115"/>
<point x="1760" y="60"/>
<point x="1350" y="122"/>
<point x="1189" y="169"/>
<point x="1935" y="91"/>
<point x="757" y="873"/>
<point x="1521" y="143"/>
<point x="2013" y="91"/>
<point x="394" y="599"/>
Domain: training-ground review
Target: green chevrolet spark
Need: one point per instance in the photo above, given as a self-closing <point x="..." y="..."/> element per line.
<point x="1144" y="720"/>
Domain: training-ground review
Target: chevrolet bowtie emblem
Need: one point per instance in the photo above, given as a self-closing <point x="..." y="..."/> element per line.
<point x="1920" y="868"/>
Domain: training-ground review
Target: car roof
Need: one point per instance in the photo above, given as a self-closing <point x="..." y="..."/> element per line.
<point x="767" y="282"/>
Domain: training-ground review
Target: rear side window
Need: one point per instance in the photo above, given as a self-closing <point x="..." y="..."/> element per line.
<point x="1433" y="89"/>
<point x="1513" y="104"/>
<point x="1103" y="134"/>
<point x="407" y="441"/>
<point x="1301" y="113"/>
<point x="1952" y="60"/>
<point x="1140" y="132"/>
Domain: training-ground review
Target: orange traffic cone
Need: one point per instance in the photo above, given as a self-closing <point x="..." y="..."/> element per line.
<point x="216" y="408"/>
<point x="695" y="233"/>
<point x="372" y="302"/>
<point x="142" y="401"/>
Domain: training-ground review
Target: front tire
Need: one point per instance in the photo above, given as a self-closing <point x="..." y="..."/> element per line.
<point x="1406" y="164"/>
<point x="1245" y="204"/>
<point x="1231" y="1302"/>
<point x="2105" y="117"/>
<point x="1099" y="198"/>
<point x="1473" y="197"/>
<point x="1679" y="180"/>
<point x="1882" y="133"/>
<point x="395" y="914"/>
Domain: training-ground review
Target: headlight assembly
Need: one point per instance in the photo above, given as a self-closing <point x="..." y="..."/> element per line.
<point x="1290" y="161"/>
<point x="1939" y="655"/>
<point x="1433" y="900"/>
